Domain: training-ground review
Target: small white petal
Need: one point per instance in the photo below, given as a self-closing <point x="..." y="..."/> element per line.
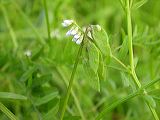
<point x="68" y="33"/>
<point x="79" y="41"/>
<point x="67" y="23"/>
<point x="76" y="36"/>
<point x="74" y="31"/>
<point x="64" y="24"/>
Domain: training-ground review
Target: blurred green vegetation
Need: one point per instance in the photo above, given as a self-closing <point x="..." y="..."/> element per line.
<point x="42" y="78"/>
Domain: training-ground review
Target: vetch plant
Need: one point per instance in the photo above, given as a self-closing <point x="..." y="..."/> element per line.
<point x="94" y="40"/>
<point x="95" y="51"/>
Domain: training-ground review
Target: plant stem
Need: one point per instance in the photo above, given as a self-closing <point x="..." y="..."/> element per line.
<point x="130" y="39"/>
<point x="118" y="61"/>
<point x="47" y="19"/>
<point x="9" y="114"/>
<point x="129" y="25"/>
<point x="71" y="82"/>
<point x="60" y="71"/>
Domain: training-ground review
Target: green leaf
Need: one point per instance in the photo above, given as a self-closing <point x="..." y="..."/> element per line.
<point x="72" y="118"/>
<point x="101" y="68"/>
<point x="125" y="79"/>
<point x="93" y="54"/>
<point x="41" y="80"/>
<point x="28" y="73"/>
<point x="50" y="115"/>
<point x="157" y="98"/>
<point x="46" y="98"/>
<point x="101" y="40"/>
<point x="139" y="4"/>
<point x="92" y="77"/>
<point x="150" y="100"/>
<point x="9" y="95"/>
<point x="8" y="113"/>
<point x="124" y="49"/>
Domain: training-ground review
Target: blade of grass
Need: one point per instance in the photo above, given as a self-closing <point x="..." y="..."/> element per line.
<point x="11" y="31"/>
<point x="47" y="19"/>
<point x="8" y="95"/>
<point x="6" y="111"/>
<point x="41" y="40"/>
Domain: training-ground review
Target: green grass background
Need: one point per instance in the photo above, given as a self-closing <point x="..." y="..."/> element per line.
<point x="42" y="78"/>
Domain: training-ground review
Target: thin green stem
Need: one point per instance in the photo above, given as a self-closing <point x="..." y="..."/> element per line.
<point x="136" y="79"/>
<point x="71" y="82"/>
<point x="118" y="61"/>
<point x="130" y="46"/>
<point x="13" y="36"/>
<point x="6" y="111"/>
<point x="73" y="93"/>
<point x="47" y="19"/>
<point x="153" y="112"/>
<point x="130" y="39"/>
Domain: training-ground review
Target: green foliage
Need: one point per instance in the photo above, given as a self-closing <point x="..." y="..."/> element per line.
<point x="105" y="86"/>
<point x="8" y="95"/>
<point x="101" y="40"/>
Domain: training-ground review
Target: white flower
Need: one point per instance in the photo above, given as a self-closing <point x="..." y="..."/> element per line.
<point x="28" y="53"/>
<point x="76" y="36"/>
<point x="69" y="31"/>
<point x="79" y="40"/>
<point x="67" y="23"/>
<point x="74" y="31"/>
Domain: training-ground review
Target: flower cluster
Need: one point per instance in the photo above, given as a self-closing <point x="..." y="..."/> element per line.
<point x="75" y="31"/>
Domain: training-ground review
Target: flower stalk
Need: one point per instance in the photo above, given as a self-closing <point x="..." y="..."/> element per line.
<point x="71" y="81"/>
